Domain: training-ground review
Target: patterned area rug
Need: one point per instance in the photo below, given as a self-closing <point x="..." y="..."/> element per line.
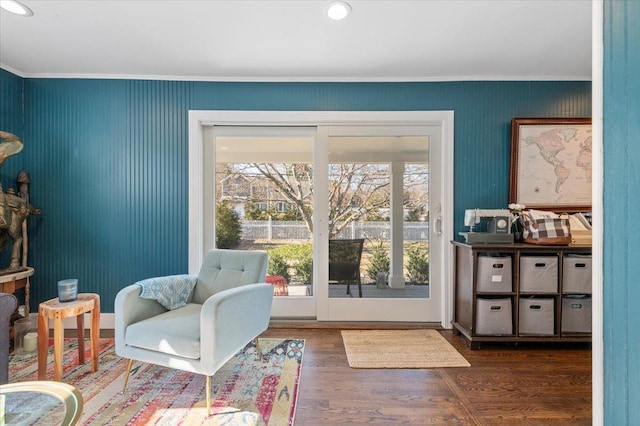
<point x="400" y="349"/>
<point x="245" y="391"/>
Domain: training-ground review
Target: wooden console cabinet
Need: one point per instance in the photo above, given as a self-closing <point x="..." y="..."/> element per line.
<point x="524" y="304"/>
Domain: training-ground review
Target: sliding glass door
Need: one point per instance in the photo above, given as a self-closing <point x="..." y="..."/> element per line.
<point x="378" y="224"/>
<point x="347" y="212"/>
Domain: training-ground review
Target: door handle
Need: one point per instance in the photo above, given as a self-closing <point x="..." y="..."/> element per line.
<point x="437" y="225"/>
<point x="437" y="222"/>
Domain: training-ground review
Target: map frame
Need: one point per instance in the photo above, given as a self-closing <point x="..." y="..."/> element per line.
<point x="519" y="126"/>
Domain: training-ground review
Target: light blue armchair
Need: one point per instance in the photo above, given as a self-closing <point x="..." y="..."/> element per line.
<point x="229" y="306"/>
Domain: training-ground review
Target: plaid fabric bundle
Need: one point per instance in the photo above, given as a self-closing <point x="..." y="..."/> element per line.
<point x="545" y="231"/>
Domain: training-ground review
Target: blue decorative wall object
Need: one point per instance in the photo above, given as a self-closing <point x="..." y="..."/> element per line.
<point x="621" y="246"/>
<point x="109" y="158"/>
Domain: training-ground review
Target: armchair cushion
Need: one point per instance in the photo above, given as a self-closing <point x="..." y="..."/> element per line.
<point x="225" y="269"/>
<point x="175" y="332"/>
<point x="172" y="291"/>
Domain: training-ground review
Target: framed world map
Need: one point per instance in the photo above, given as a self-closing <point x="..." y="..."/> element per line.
<point x="551" y="163"/>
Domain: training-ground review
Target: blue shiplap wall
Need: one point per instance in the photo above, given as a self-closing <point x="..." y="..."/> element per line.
<point x="108" y="159"/>
<point x="621" y="269"/>
<point x="11" y="120"/>
<point x="109" y="170"/>
<point x="11" y="105"/>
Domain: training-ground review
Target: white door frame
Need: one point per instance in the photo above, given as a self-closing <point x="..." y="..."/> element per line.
<point x="441" y="223"/>
<point x="597" y="114"/>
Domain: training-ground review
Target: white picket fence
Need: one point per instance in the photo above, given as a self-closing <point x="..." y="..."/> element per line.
<point x="297" y="230"/>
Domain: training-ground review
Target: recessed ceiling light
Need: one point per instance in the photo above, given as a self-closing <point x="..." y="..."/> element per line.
<point x="16" y="7"/>
<point x="338" y="10"/>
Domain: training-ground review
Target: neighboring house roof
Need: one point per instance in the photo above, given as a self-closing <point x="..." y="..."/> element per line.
<point x="255" y="188"/>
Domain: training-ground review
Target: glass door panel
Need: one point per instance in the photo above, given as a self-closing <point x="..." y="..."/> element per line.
<point x="264" y="201"/>
<point x="378" y="195"/>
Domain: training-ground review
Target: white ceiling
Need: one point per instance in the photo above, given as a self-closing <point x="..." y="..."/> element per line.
<point x="269" y="40"/>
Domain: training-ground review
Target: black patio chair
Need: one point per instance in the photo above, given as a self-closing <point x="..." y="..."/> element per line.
<point x="344" y="262"/>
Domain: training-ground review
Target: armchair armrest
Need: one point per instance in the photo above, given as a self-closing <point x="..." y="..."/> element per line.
<point x="130" y="308"/>
<point x="231" y="318"/>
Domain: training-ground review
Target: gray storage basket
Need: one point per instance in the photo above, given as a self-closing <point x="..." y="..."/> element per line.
<point x="537" y="316"/>
<point x="538" y="274"/>
<point x="494" y="317"/>
<point x="576" y="274"/>
<point x="576" y="314"/>
<point x="494" y="274"/>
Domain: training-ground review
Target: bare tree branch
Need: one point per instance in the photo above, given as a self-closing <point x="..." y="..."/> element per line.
<point x="356" y="190"/>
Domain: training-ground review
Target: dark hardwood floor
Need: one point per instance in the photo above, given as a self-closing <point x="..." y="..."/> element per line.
<point x="532" y="384"/>
<point x="507" y="384"/>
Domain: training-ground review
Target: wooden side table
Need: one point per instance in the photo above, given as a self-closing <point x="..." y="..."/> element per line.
<point x="9" y="283"/>
<point x="57" y="311"/>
